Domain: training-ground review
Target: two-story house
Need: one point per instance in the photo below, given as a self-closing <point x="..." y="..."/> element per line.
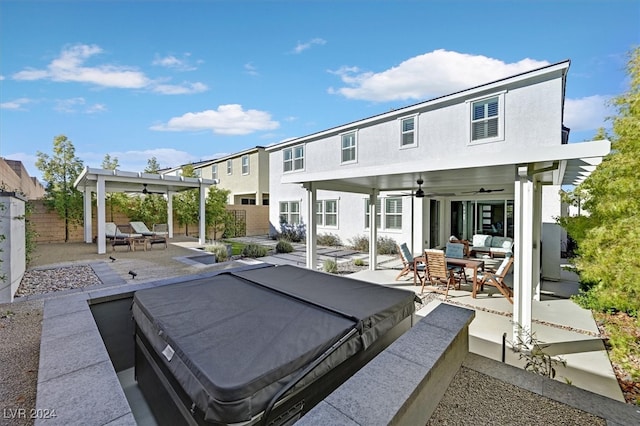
<point x="489" y="159"/>
<point x="245" y="174"/>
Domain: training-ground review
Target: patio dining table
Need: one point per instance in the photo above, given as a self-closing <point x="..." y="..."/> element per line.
<point x="465" y="262"/>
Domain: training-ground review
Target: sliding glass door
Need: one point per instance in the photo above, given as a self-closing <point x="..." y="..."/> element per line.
<point x="491" y="217"/>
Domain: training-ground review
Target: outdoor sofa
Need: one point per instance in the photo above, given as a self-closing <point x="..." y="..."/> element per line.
<point x="490" y="245"/>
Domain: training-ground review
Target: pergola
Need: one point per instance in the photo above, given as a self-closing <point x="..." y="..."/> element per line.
<point x="103" y="181"/>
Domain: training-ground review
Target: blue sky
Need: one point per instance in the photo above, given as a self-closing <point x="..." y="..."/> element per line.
<point x="186" y="81"/>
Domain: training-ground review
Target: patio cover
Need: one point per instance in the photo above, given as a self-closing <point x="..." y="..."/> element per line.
<point x="521" y="171"/>
<point x="103" y="181"/>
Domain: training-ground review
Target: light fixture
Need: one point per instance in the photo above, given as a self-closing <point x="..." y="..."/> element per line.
<point x="419" y="191"/>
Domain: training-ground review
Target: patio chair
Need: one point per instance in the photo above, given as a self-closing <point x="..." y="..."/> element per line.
<point x="439" y="277"/>
<point x="408" y="261"/>
<point x="152" y="237"/>
<point x="117" y="237"/>
<point x="496" y="278"/>
<point x="457" y="250"/>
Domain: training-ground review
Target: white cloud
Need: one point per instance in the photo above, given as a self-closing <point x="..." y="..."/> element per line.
<point x="226" y="120"/>
<point x="69" y="67"/>
<point x="16" y="104"/>
<point x="75" y="105"/>
<point x="429" y="75"/>
<point x="185" y="88"/>
<point x="172" y="62"/>
<point x="250" y="69"/>
<point x="301" y="47"/>
<point x="588" y="113"/>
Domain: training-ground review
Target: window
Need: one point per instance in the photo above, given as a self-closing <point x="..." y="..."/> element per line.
<point x="349" y="147"/>
<point x="229" y="167"/>
<point x="487" y="119"/>
<point x="197" y="172"/>
<point x="390" y="216"/>
<point x="214" y="171"/>
<point x="290" y="212"/>
<point x="378" y="213"/>
<point x="327" y="213"/>
<point x="408" y="132"/>
<point x="393" y="213"/>
<point x="245" y="164"/>
<point x="293" y="158"/>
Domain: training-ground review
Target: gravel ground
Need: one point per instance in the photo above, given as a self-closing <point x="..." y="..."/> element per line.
<point x="20" y="331"/>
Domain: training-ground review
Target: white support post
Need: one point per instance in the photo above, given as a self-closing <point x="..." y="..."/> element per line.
<point x="523" y="255"/>
<point x="88" y="238"/>
<point x="101" y="214"/>
<point x="536" y="280"/>
<point x="170" y="213"/>
<point x="312" y="249"/>
<point x="373" y="231"/>
<point x="202" y="231"/>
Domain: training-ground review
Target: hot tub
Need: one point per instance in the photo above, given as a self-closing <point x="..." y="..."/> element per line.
<point x="258" y="346"/>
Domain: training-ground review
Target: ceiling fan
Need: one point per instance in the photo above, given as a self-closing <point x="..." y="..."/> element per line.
<point x="146" y="191"/>
<point x="419" y="193"/>
<point x="484" y="191"/>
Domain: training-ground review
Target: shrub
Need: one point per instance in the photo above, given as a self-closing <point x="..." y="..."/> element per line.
<point x="254" y="250"/>
<point x="360" y="243"/>
<point x="294" y="233"/>
<point x="219" y="250"/>
<point x="330" y="266"/>
<point x="284" y="247"/>
<point x="328" y="240"/>
<point x="385" y="245"/>
<point x="358" y="262"/>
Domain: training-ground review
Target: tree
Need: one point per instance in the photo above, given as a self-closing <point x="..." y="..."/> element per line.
<point x="607" y="254"/>
<point x="187" y="203"/>
<point x="116" y="200"/>
<point x="215" y="209"/>
<point x="152" y="166"/>
<point x="59" y="172"/>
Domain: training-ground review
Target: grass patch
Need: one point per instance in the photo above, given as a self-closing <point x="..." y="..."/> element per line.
<point x="236" y="247"/>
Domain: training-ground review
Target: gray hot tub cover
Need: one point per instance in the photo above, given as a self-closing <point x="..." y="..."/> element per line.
<point x="234" y="340"/>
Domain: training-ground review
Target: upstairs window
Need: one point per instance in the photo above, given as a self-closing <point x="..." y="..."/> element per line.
<point x="245" y="164"/>
<point x="487" y="119"/>
<point x="408" y="132"/>
<point x="229" y="167"/>
<point x="349" y="148"/>
<point x="293" y="158"/>
<point x="214" y="171"/>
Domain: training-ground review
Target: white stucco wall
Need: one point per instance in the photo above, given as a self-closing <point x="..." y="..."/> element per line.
<point x="551" y="233"/>
<point x="13" y="255"/>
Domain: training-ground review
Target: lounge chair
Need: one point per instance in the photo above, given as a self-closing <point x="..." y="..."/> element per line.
<point x="496" y="278"/>
<point x="408" y="261"/>
<point x="438" y="276"/>
<point x="152" y="237"/>
<point x="118" y="237"/>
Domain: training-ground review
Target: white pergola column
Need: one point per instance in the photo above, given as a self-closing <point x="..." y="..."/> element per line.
<point x="523" y="255"/>
<point x="536" y="280"/>
<point x="312" y="249"/>
<point x="100" y="214"/>
<point x="202" y="231"/>
<point x="373" y="231"/>
<point x="88" y="238"/>
<point x="170" y="213"/>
